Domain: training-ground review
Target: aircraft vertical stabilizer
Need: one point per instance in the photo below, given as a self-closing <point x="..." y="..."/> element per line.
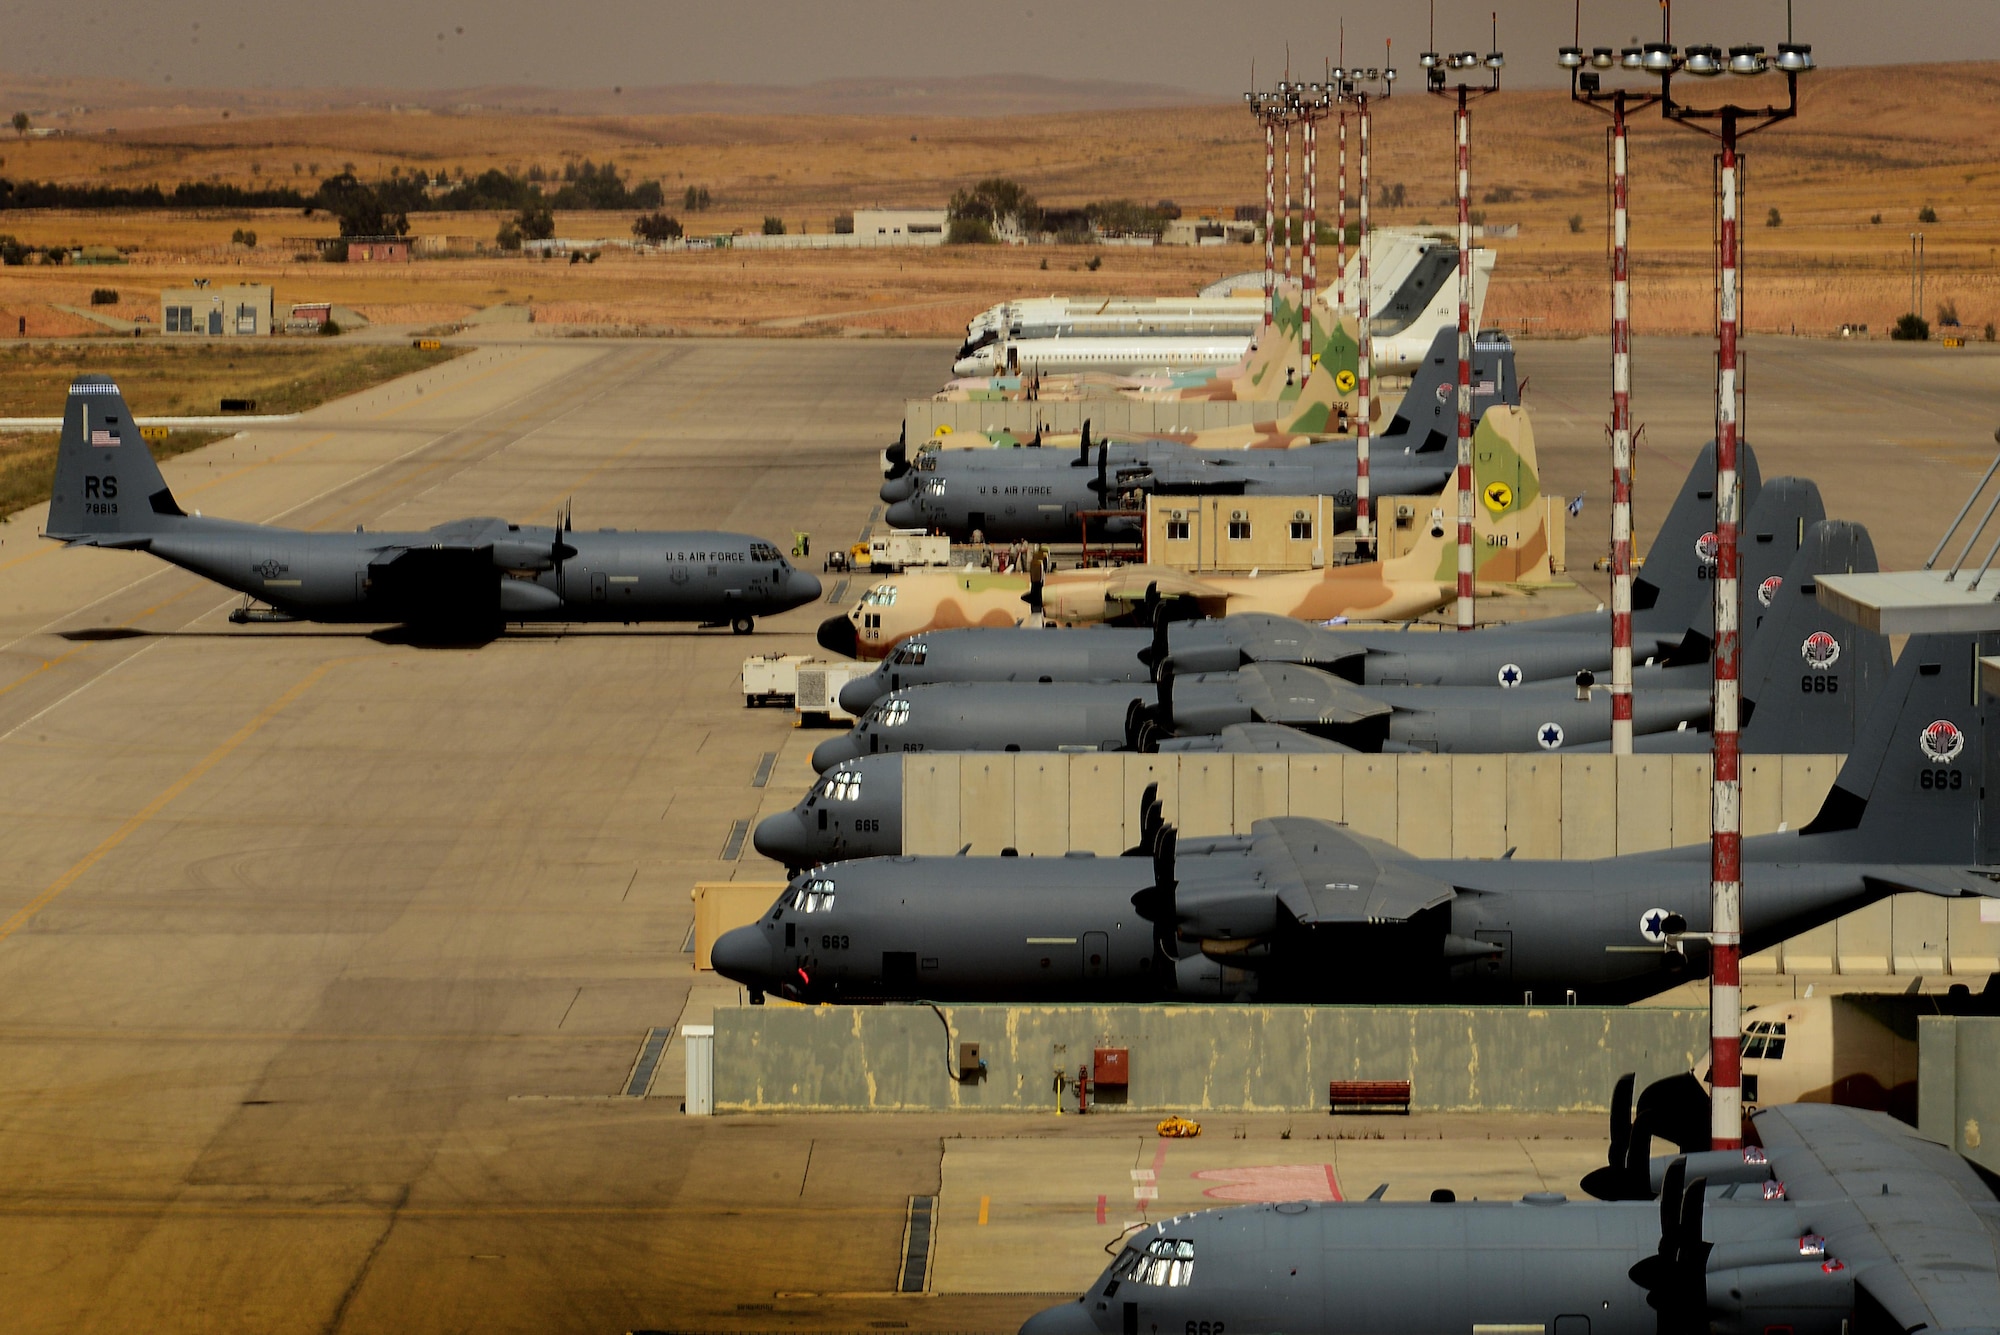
<point x="1913" y="787"/>
<point x="1808" y="675"/>
<point x="107" y="486"/>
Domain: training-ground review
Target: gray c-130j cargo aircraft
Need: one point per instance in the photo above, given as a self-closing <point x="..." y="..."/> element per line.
<point x="1307" y="910"/>
<point x="472" y="574"/>
<point x="1831" y="1221"/>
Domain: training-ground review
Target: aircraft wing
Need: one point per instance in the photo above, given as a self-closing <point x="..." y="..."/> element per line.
<point x="1950" y="882"/>
<point x="1325" y="873"/>
<point x="1912" y="1219"/>
<point x="1130" y="584"/>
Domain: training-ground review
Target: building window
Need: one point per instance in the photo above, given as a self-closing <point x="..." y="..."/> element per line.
<point x="1177" y="530"/>
<point x="1239" y="530"/>
<point x="180" y="320"/>
<point x="1302" y="530"/>
<point x="246" y="319"/>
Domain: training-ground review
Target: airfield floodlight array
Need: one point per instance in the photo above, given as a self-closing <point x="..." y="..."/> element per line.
<point x="1747" y="60"/>
<point x="1569" y="57"/>
<point x="1725" y="803"/>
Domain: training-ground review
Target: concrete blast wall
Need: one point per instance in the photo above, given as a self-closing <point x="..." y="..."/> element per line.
<point x="1441" y="806"/>
<point x="1958" y="1085"/>
<point x="1193" y="1058"/>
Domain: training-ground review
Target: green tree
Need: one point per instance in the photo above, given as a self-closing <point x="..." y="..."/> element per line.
<point x="1576" y="222"/>
<point x="537" y="221"/>
<point x="1774" y="219"/>
<point x="999" y="203"/>
<point x="656" y="227"/>
<point x="1926" y="214"/>
<point x="21" y="123"/>
<point x="694" y="199"/>
<point x="1911" y="328"/>
<point x="774" y="226"/>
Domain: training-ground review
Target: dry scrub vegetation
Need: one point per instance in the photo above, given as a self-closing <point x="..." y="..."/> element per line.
<point x="162" y="379"/>
<point x="1859" y="153"/>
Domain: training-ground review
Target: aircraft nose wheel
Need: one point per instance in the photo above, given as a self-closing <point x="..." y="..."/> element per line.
<point x="743" y="625"/>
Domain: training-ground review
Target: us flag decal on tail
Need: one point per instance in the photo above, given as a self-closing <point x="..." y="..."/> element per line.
<point x="100" y="436"/>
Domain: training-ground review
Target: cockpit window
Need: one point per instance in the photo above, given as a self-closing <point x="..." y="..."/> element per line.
<point x="815" y="896"/>
<point x="1765" y="1039"/>
<point x="882" y="595"/>
<point x="841" y="786"/>
<point x="763" y="551"/>
<point x="934" y="486"/>
<point x="1166" y="1263"/>
<point x="911" y="654"/>
<point x="893" y="712"/>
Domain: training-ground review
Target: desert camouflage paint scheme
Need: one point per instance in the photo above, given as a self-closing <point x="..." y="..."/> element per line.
<point x="903" y="605"/>
<point x="1512" y="548"/>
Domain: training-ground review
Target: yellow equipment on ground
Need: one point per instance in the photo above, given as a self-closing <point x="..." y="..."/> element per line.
<point x="1179" y="1128"/>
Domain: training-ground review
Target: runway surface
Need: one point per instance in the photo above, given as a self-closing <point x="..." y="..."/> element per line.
<point x="325" y="959"/>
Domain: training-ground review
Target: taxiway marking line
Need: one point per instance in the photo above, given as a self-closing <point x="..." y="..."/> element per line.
<point x="26" y="913"/>
<point x="984" y="1202"/>
<point x="47" y="663"/>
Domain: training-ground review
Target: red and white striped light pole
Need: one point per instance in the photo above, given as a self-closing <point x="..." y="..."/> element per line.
<point x="1340" y="225"/>
<point x="1364" y="351"/>
<point x="1725" y="934"/>
<point x="1586" y="88"/>
<point x="1270" y="202"/>
<point x="1434" y="71"/>
<point x="1309" y="255"/>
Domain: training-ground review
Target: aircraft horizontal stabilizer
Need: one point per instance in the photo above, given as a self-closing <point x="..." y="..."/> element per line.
<point x="1327" y="874"/>
<point x="1301" y="696"/>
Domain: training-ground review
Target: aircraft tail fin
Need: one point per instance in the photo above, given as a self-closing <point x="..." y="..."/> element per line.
<point x="1427" y="418"/>
<point x="1912" y="788"/>
<point x="106" y="485"/>
<point x="1808" y="675"/>
<point x="1672" y="594"/>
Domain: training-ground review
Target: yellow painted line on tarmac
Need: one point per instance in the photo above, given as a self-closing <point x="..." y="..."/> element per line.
<point x="46" y="665"/>
<point x="31" y="556"/>
<point x="26" y="913"/>
<point x="984" y="1202"/>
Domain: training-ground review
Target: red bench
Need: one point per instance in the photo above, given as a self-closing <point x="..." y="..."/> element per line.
<point x="1390" y="1096"/>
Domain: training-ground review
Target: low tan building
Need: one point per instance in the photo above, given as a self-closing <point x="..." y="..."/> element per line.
<point x="239" y="311"/>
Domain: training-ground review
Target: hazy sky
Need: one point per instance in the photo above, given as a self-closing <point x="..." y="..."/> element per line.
<point x="1203" y="45"/>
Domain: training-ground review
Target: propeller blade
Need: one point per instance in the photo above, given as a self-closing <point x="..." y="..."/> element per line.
<point x="1613" y="1182"/>
<point x="1678" y="1108"/>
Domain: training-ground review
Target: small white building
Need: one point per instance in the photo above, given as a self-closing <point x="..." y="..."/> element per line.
<point x="919" y="224"/>
<point x="240" y="310"/>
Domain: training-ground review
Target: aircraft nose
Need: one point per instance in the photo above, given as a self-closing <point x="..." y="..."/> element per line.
<point x="743" y="955"/>
<point x="803" y="587"/>
<point x="898" y="489"/>
<point x="836" y="636"/>
<point x="1069" y="1319"/>
<point x="903" y="514"/>
<point x="861" y="692"/>
<point x="785" y="837"/>
<point x="833" y="750"/>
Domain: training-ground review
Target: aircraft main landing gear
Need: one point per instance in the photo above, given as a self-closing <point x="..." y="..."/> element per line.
<point x="743" y="625"/>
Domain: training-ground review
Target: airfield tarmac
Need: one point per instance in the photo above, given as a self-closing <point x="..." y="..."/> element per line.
<point x="326" y="958"/>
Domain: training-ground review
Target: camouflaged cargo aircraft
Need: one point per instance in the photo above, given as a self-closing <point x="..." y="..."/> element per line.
<point x="1832" y="1221"/>
<point x="1509" y="530"/>
<point x="1301" y="910"/>
<point x="471" y="575"/>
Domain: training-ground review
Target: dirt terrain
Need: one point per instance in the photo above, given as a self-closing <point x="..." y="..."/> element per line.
<point x="1846" y="181"/>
